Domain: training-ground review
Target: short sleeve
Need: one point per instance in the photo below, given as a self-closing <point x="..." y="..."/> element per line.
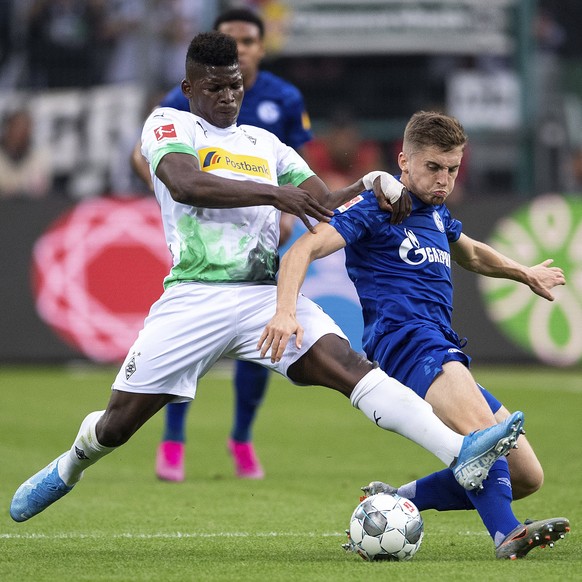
<point x="165" y="131"/>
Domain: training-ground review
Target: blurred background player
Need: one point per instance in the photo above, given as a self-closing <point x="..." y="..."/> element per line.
<point x="277" y="106"/>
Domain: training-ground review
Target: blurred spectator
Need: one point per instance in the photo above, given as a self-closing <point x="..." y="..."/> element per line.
<point x="342" y="156"/>
<point x="549" y="38"/>
<point x="5" y="30"/>
<point x="574" y="171"/>
<point x="25" y="170"/>
<point x="125" y="34"/>
<point x="64" y="42"/>
<point x="173" y="25"/>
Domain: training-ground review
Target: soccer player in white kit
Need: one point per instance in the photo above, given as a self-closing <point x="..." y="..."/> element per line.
<point x="221" y="189"/>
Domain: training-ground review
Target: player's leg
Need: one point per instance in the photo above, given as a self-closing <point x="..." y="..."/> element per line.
<point x="100" y="434"/>
<point x="160" y="367"/>
<point x="458" y="400"/>
<point x="439" y="491"/>
<point x="392" y="406"/>
<point x="527" y="474"/>
<point x="170" y="463"/>
<point x="459" y="403"/>
<point x="250" y="386"/>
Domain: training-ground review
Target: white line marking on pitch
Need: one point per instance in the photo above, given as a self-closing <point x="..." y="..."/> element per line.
<point x="160" y="535"/>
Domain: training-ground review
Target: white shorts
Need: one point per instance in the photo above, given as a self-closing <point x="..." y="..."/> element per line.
<point x="193" y="325"/>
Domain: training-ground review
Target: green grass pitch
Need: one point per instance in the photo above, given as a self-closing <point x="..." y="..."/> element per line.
<point x="120" y="523"/>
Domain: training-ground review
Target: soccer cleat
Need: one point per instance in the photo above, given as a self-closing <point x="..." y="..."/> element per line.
<point x="350" y="546"/>
<point x="246" y="463"/>
<point x="482" y="448"/>
<point x="170" y="461"/>
<point x="38" y="492"/>
<point x="530" y="535"/>
<point x="378" y="487"/>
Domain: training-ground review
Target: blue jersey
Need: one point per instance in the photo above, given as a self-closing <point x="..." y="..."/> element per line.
<point x="271" y="103"/>
<point x="402" y="273"/>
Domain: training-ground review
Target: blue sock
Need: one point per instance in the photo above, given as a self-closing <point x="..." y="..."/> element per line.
<point x="175" y="428"/>
<point x="494" y="502"/>
<point x="438" y="491"/>
<point x="441" y="491"/>
<point x="250" y="382"/>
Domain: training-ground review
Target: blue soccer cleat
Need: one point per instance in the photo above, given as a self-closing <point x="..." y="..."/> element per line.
<point x="38" y="492"/>
<point x="482" y="448"/>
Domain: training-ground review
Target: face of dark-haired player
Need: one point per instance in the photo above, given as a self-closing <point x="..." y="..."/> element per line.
<point x="250" y="46"/>
<point x="214" y="93"/>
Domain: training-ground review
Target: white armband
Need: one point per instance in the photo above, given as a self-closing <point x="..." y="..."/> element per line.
<point x="391" y="187"/>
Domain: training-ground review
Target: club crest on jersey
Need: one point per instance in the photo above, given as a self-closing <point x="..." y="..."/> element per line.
<point x="130" y="368"/>
<point x="165" y="132"/>
<point x="350" y="203"/>
<point x="438" y="221"/>
<point x="268" y="112"/>
<point x="219" y="159"/>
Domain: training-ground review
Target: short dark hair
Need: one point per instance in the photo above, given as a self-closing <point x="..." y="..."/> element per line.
<point x="240" y="15"/>
<point x="212" y="49"/>
<point x="433" y="129"/>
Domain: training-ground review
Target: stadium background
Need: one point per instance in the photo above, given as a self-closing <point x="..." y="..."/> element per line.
<point x="76" y="282"/>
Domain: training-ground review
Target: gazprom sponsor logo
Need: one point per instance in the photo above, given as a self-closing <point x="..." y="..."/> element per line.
<point x="219" y="159"/>
<point x="412" y="253"/>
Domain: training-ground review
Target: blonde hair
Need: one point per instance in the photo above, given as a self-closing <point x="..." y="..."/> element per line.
<point x="433" y="129"/>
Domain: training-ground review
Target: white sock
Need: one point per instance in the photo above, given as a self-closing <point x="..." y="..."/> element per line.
<point x="85" y="451"/>
<point x="408" y="490"/>
<point x="393" y="406"/>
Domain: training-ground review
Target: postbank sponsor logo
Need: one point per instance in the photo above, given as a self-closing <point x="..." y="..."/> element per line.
<point x="219" y="159"/>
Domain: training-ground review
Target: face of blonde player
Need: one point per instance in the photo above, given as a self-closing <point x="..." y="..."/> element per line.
<point x="250" y="47"/>
<point x="430" y="173"/>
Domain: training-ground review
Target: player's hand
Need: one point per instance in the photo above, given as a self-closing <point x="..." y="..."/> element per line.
<point x="543" y="278"/>
<point x="302" y="204"/>
<point x="392" y="195"/>
<point x="276" y="335"/>
<point x="378" y="487"/>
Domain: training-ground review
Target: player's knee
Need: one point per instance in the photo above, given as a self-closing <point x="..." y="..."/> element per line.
<point x="110" y="432"/>
<point x="528" y="481"/>
<point x="332" y="363"/>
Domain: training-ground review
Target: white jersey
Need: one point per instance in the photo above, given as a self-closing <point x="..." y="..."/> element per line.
<point x="220" y="245"/>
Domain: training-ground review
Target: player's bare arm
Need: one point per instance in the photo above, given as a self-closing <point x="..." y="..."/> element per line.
<point x="140" y="166"/>
<point x="392" y="196"/>
<point x="480" y="258"/>
<point x="324" y="241"/>
<point x="189" y="185"/>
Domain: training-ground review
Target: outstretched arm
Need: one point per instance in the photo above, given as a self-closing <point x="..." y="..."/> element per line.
<point x="323" y="241"/>
<point x="140" y="166"/>
<point x="391" y="194"/>
<point x="181" y="174"/>
<point x="481" y="258"/>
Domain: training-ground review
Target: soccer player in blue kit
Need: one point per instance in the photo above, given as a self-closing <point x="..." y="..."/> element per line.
<point x="277" y="106"/>
<point x="402" y="274"/>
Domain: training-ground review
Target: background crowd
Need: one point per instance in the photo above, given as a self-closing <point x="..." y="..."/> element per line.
<point x="357" y="104"/>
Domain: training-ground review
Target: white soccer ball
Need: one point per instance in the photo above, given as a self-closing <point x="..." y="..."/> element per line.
<point x="385" y="527"/>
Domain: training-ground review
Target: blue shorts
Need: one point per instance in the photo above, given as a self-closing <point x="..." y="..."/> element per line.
<point x="414" y="354"/>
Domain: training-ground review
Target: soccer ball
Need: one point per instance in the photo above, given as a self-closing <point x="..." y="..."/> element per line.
<point x="385" y="527"/>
